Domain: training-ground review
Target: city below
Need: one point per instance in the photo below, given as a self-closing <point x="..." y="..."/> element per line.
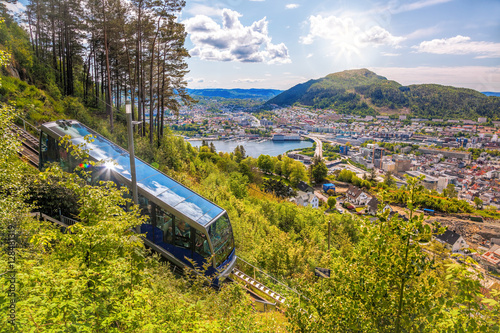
<point x="457" y="156"/>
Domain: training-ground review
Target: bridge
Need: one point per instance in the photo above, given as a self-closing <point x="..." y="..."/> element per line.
<point x="319" y="145"/>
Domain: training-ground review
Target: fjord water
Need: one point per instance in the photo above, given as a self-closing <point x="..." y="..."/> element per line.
<point x="255" y="148"/>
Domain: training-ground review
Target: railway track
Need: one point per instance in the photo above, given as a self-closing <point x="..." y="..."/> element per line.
<point x="30" y="145"/>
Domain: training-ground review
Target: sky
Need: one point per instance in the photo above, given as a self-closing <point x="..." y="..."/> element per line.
<point x="277" y="44"/>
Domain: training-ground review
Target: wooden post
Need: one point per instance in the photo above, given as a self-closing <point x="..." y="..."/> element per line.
<point x="329" y="223"/>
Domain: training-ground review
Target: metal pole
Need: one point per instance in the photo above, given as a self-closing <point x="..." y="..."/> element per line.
<point x="329" y="223"/>
<point x="128" y="111"/>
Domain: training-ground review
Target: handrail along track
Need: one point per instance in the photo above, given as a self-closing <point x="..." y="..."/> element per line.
<point x="30" y="144"/>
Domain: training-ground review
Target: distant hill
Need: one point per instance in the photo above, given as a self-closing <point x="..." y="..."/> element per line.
<point x="363" y="92"/>
<point x="263" y="94"/>
<point x="490" y="93"/>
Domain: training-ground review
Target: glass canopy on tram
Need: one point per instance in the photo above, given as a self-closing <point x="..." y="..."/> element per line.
<point x="160" y="197"/>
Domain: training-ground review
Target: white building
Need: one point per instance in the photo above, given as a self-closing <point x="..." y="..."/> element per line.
<point x="356" y="196"/>
<point x="452" y="241"/>
<point x="388" y="166"/>
<point x="442" y="183"/>
<point x="305" y="199"/>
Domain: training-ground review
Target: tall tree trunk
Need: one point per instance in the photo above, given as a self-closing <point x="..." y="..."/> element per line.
<point x="109" y="107"/>
<point x="138" y="69"/>
<point x="151" y="85"/>
<point x="132" y="81"/>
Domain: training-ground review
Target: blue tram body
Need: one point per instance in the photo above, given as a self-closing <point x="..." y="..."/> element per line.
<point x="181" y="225"/>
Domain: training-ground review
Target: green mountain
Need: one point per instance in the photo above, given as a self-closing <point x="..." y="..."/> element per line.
<point x="363" y="92"/>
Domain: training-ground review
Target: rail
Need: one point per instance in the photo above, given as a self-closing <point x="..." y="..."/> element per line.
<point x="25" y="122"/>
<point x="259" y="275"/>
<point x="46" y="217"/>
<point x="30" y="144"/>
<point x="67" y="220"/>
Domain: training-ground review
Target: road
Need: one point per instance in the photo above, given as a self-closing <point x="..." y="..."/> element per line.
<point x="319" y="146"/>
<point x="363" y="172"/>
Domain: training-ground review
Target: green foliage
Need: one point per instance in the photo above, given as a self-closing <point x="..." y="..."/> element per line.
<point x="238" y="184"/>
<point x="50" y="197"/>
<point x="388" y="180"/>
<point x="430" y="200"/>
<point x="387" y="283"/>
<point x="319" y="171"/>
<point x="278" y="188"/>
<point x="346" y="175"/>
<point x="331" y="202"/>
<point x="432" y="100"/>
<point x="98" y="276"/>
<point x="265" y="163"/>
<point x="450" y="191"/>
<point x="478" y="202"/>
<point x="330" y="153"/>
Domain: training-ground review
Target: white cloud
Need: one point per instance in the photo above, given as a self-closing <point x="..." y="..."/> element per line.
<point x="421" y="33"/>
<point x="200" y="82"/>
<point x="195" y="80"/>
<point x="232" y="41"/>
<point x="416" y="5"/>
<point x="16" y="8"/>
<point x="480" y="78"/>
<point x="459" y="45"/>
<point x="248" y="80"/>
<point x="343" y="30"/>
<point x="198" y="9"/>
<point x="309" y="55"/>
<point x="292" y="6"/>
<point x="388" y="54"/>
<point x="379" y="36"/>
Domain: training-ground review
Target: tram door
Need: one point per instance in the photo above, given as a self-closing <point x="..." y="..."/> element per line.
<point x="48" y="149"/>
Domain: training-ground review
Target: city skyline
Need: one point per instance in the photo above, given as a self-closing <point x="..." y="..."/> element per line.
<point x="278" y="44"/>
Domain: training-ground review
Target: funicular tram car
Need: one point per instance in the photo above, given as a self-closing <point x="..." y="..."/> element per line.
<point x="180" y="225"/>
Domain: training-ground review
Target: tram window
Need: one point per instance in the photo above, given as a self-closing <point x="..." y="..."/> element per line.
<point x="64" y="159"/>
<point x="182" y="236"/>
<point x="145" y="208"/>
<point x="164" y="221"/>
<point x="48" y="149"/>
<point x="201" y="245"/>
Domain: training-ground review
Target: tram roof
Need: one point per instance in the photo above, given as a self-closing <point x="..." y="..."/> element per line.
<point x="164" y="188"/>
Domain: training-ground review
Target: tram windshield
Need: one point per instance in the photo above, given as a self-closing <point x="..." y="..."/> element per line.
<point x="221" y="235"/>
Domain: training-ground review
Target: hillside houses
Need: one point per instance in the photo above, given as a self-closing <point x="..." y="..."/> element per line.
<point x="491" y="258"/>
<point x="357" y="196"/>
<point x="452" y="241"/>
<point x="372" y="206"/>
<point x="306" y="199"/>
